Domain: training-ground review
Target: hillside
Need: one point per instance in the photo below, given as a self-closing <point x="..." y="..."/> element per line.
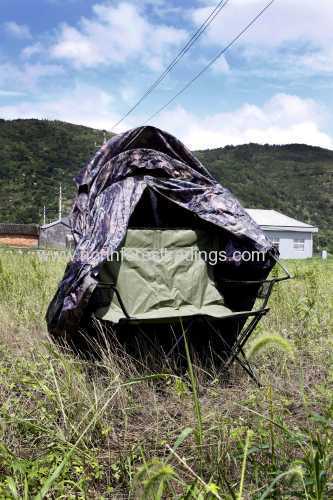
<point x="294" y="179"/>
<point x="35" y="156"/>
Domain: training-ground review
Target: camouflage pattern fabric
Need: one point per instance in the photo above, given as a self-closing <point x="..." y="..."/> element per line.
<point x="109" y="188"/>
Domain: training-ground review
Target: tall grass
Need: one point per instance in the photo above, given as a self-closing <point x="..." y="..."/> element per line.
<point x="113" y="429"/>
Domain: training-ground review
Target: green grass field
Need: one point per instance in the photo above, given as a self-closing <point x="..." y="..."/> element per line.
<point x="73" y="429"/>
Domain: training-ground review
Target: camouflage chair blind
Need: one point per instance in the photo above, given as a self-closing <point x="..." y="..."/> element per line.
<point x="144" y="190"/>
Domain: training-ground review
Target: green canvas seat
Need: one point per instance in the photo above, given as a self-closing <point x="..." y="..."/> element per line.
<point x="161" y="274"/>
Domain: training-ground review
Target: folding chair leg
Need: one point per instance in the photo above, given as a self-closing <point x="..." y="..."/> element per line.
<point x="244" y="363"/>
<point x="175" y="345"/>
<point x="244" y="336"/>
<point x="143" y="333"/>
<point x="247" y="367"/>
<point x="185" y="330"/>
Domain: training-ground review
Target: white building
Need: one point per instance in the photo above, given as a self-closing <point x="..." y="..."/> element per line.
<point x="292" y="237"/>
<point x="56" y="234"/>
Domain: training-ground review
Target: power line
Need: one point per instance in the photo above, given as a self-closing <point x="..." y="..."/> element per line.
<point x="219" y="54"/>
<point x="214" y="13"/>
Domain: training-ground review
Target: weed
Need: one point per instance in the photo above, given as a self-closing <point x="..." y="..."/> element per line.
<point x="75" y="429"/>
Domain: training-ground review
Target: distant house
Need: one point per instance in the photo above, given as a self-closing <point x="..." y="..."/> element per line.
<point x="19" y="235"/>
<point x="292" y="237"/>
<point x="56" y="234"/>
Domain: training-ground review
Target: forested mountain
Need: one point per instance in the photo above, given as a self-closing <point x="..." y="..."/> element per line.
<point x="37" y="155"/>
<point x="294" y="179"/>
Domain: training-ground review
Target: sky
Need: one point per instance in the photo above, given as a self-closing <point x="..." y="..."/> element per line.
<point x="89" y="61"/>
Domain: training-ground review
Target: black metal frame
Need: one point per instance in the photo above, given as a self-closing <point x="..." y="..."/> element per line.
<point x="244" y="335"/>
<point x="236" y="351"/>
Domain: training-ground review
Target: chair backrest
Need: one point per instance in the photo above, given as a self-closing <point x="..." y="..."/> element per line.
<point x="160" y="274"/>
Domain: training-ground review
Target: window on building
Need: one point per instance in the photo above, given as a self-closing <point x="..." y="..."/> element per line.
<point x="299" y="244"/>
<point x="276" y="241"/>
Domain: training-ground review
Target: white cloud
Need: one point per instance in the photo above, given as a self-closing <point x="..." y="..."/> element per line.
<point x="115" y="35"/>
<point x="221" y="66"/>
<point x="10" y="93"/>
<point x="84" y="105"/>
<point x="287" y="23"/>
<point x="319" y="60"/>
<point x="17" y="30"/>
<point x="26" y="76"/>
<point x="32" y="50"/>
<point x="284" y="21"/>
<point x="127" y="92"/>
<point x="281" y="120"/>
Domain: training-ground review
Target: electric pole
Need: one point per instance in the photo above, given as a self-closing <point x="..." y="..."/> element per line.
<point x="60" y="202"/>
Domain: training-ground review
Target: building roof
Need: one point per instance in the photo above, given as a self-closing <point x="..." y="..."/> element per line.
<point x="273" y="220"/>
<point x="65" y="221"/>
<point x="26" y="229"/>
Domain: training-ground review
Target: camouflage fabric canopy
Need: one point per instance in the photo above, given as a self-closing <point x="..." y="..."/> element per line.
<point x="109" y="189"/>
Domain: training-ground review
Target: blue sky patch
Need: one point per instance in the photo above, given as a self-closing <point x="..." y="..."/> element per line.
<point x="88" y="62"/>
